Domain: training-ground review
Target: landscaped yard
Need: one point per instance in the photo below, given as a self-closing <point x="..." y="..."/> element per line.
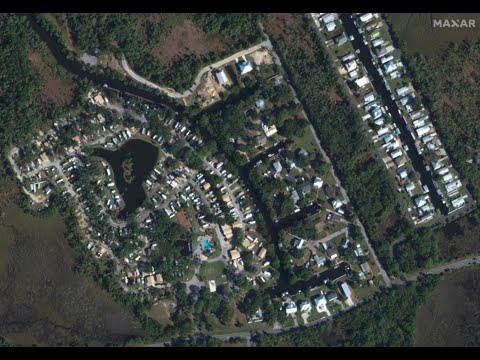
<point x="213" y="271"/>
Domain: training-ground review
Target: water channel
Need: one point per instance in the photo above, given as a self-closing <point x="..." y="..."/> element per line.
<point x="378" y="83"/>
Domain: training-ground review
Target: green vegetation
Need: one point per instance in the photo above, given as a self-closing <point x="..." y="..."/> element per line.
<point x="418" y="250"/>
<point x="449" y="85"/>
<point x="213" y="271"/>
<point x="305" y="229"/>
<point x="387" y="320"/>
<point x="127" y="167"/>
<point x="206" y="341"/>
<point x="337" y="124"/>
<point x="139" y="36"/>
<point x="450" y="316"/>
<point x="166" y="258"/>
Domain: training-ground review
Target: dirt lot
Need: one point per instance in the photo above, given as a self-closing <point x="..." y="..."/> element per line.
<point x="460" y="238"/>
<point x="186" y="39"/>
<point x="56" y="89"/>
<point x="42" y="301"/>
<point x="161" y="313"/>
<point x="421" y="37"/>
<point x="451" y="316"/>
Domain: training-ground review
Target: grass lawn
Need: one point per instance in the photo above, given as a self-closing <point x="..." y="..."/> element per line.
<point x="189" y="274"/>
<point x="315" y="315"/>
<point x="160" y="313"/>
<point x="365" y="292"/>
<point x="6" y="238"/>
<point x="213" y="271"/>
<point x="239" y="325"/>
<point x="306" y="141"/>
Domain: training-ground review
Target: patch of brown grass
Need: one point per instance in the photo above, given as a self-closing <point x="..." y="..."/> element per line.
<point x="185" y="39"/>
<point x="451" y="315"/>
<point x="289" y="26"/>
<point x="55" y="89"/>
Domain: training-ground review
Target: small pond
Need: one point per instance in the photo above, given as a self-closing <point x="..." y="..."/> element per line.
<point x="131" y="165"/>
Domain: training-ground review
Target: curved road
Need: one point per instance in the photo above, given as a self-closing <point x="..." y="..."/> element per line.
<point x="176" y="95"/>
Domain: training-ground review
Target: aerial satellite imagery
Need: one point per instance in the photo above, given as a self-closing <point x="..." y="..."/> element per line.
<point x="239" y="180"/>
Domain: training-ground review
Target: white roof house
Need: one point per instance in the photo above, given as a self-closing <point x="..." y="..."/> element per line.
<point x="421" y="200"/>
<point x="424" y="130"/>
<point x="244" y="66"/>
<point x="331" y="26"/>
<point x="403" y="174"/>
<point x="277" y="166"/>
<point x="453" y="186"/>
<point x="368" y="98"/>
<point x="447" y="178"/>
<point x="305" y="306"/>
<point x="346" y="291"/>
<point x="419" y="123"/>
<point x="221" y="77"/>
<point x="366" y="17"/>
<point x="351" y="65"/>
<point x="396" y="153"/>
<point x="353" y="74"/>
<point x="328" y="18"/>
<point x="269" y="130"/>
<point x="390" y="66"/>
<point x="458" y="202"/>
<point x="291" y="308"/>
<point x="387" y="138"/>
<point x="212" y="285"/>
<point x="404" y="90"/>
<point x="319" y="301"/>
<point x="377" y="42"/>
<point x="317" y="183"/>
<point x="362" y="81"/>
<point x="410" y="186"/>
<point x="298" y="243"/>
<point x="336" y="203"/>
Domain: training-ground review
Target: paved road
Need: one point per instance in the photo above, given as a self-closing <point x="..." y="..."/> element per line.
<point x="385" y="277"/>
<point x="470" y="261"/>
<point x="176" y="95"/>
<point x="454" y="265"/>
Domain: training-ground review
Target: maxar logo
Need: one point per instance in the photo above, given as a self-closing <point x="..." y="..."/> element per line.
<point x="452" y="23"/>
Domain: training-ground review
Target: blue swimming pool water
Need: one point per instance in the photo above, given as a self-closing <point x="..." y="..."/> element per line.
<point x="206" y="244"/>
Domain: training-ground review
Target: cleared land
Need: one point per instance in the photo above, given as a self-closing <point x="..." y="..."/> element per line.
<point x="417" y="30"/>
<point x="451" y="316"/>
<point x="42" y="300"/>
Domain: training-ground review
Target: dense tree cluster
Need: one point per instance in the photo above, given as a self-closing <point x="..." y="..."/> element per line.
<point x="136" y="35"/>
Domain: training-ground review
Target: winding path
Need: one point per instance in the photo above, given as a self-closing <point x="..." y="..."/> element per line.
<point x="176" y="95"/>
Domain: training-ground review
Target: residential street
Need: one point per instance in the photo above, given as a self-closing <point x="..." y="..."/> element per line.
<point x="176" y="95"/>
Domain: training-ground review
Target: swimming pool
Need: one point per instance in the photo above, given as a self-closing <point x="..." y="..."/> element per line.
<point x="206" y="244"/>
